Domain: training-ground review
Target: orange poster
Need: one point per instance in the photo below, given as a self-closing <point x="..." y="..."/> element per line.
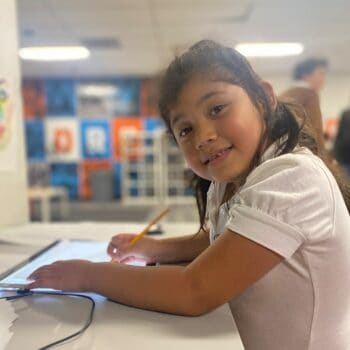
<point x="85" y="170"/>
<point x="117" y="125"/>
<point x="34" y="100"/>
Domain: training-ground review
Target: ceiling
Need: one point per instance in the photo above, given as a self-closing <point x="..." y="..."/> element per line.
<point x="139" y="37"/>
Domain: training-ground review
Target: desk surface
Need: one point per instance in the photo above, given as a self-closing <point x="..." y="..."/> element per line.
<point x="44" y="319"/>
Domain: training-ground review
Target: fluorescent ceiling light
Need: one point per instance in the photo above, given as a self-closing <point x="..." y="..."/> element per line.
<point x="54" y="53"/>
<point x="270" y="49"/>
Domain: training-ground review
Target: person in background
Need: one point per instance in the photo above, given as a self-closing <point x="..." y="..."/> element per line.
<point x="274" y="236"/>
<point x="309" y="76"/>
<point x="342" y="142"/>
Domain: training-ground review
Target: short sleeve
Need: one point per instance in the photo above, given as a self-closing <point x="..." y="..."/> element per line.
<point x="286" y="202"/>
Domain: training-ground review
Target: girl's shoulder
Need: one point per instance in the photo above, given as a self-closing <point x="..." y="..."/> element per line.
<point x="296" y="189"/>
<point x="290" y="180"/>
<point x="298" y="164"/>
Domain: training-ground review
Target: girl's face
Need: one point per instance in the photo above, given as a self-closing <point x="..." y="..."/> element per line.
<point x="217" y="127"/>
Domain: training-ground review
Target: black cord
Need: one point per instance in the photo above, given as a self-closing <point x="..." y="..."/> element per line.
<point x="27" y="293"/>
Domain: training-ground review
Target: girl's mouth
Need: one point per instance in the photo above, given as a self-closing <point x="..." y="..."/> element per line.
<point x="217" y="155"/>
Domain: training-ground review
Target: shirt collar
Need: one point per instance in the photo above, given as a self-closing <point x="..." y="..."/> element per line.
<point x="271" y="151"/>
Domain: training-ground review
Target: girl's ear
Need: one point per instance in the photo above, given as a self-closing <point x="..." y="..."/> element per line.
<point x="269" y="90"/>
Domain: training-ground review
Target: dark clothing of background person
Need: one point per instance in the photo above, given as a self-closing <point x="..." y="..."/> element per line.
<point x="342" y="142"/>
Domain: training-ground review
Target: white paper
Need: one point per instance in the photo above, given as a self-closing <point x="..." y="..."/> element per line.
<point x="95" y="251"/>
<point x="7" y="317"/>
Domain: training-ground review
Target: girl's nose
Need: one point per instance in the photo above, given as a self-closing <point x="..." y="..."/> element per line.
<point x="204" y="136"/>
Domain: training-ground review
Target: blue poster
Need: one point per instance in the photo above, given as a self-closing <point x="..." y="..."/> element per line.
<point x="117" y="179"/>
<point x="95" y="139"/>
<point x="34" y="130"/>
<point x="60" y="97"/>
<point x="65" y="175"/>
<point x="151" y="124"/>
<point x="126" y="99"/>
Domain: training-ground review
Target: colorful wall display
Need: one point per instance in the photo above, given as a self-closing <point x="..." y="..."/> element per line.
<point x="117" y="97"/>
<point x="62" y="139"/>
<point x="73" y="129"/>
<point x="35" y="140"/>
<point x="65" y="175"/>
<point x="95" y="139"/>
<point x="149" y="98"/>
<point x="117" y="177"/>
<point x="85" y="170"/>
<point x="60" y="97"/>
<point x="152" y="124"/>
<point x="126" y="100"/>
<point x="38" y="174"/>
<point x="119" y="124"/>
<point x="34" y="99"/>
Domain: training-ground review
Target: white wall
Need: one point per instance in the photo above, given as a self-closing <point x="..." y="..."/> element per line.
<point x="13" y="187"/>
<point x="335" y="96"/>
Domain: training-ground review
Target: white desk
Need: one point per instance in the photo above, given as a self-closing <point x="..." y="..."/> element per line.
<point x="44" y="196"/>
<point x="43" y="319"/>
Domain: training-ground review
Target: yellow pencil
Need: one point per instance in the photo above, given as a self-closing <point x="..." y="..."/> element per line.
<point x="148" y="227"/>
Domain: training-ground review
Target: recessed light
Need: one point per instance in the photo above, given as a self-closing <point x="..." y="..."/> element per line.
<point x="54" y="53"/>
<point x="270" y="49"/>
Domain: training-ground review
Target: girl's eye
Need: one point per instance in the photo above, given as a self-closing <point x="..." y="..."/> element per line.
<point x="216" y="110"/>
<point x="183" y="132"/>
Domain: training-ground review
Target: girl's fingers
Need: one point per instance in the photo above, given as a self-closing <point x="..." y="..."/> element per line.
<point x="122" y="240"/>
<point x="127" y="259"/>
<point x="118" y="246"/>
<point x="39" y="271"/>
<point x="43" y="283"/>
<point x="111" y="249"/>
<point x="133" y="259"/>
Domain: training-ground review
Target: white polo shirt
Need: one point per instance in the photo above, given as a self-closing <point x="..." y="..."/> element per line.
<point x="291" y="204"/>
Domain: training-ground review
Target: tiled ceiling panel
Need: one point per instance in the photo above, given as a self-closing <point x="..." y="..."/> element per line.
<point x="150" y="32"/>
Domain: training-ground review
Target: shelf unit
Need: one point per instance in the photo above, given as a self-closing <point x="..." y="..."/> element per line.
<point x="153" y="170"/>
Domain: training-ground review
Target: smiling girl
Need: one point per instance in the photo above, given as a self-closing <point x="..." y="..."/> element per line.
<point x="274" y="240"/>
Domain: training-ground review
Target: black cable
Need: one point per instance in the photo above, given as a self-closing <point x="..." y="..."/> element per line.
<point x="27" y="293"/>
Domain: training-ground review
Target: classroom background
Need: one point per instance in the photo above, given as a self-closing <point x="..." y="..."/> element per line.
<point x="94" y="145"/>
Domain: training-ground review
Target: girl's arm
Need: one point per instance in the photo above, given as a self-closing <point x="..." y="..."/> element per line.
<point x="168" y="250"/>
<point x="230" y="265"/>
<point x="184" y="248"/>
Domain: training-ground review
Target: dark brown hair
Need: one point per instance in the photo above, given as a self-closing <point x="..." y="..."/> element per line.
<point x="222" y="63"/>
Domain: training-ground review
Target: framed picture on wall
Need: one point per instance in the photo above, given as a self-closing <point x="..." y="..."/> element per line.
<point x="60" y="97"/>
<point x="34" y="99"/>
<point x="35" y="139"/>
<point x="65" y="175"/>
<point x="108" y="98"/>
<point x="95" y="139"/>
<point x="62" y="140"/>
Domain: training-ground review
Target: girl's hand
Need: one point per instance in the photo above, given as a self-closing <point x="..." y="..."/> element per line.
<point x="143" y="250"/>
<point x="68" y="275"/>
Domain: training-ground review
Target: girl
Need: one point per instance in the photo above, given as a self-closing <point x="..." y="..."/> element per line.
<point x="274" y="240"/>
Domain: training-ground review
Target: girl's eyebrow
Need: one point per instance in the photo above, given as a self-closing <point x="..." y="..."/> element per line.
<point x="176" y="118"/>
<point x="206" y="96"/>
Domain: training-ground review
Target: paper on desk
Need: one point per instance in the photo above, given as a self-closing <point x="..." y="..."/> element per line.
<point x="95" y="251"/>
<point x="7" y="317"/>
